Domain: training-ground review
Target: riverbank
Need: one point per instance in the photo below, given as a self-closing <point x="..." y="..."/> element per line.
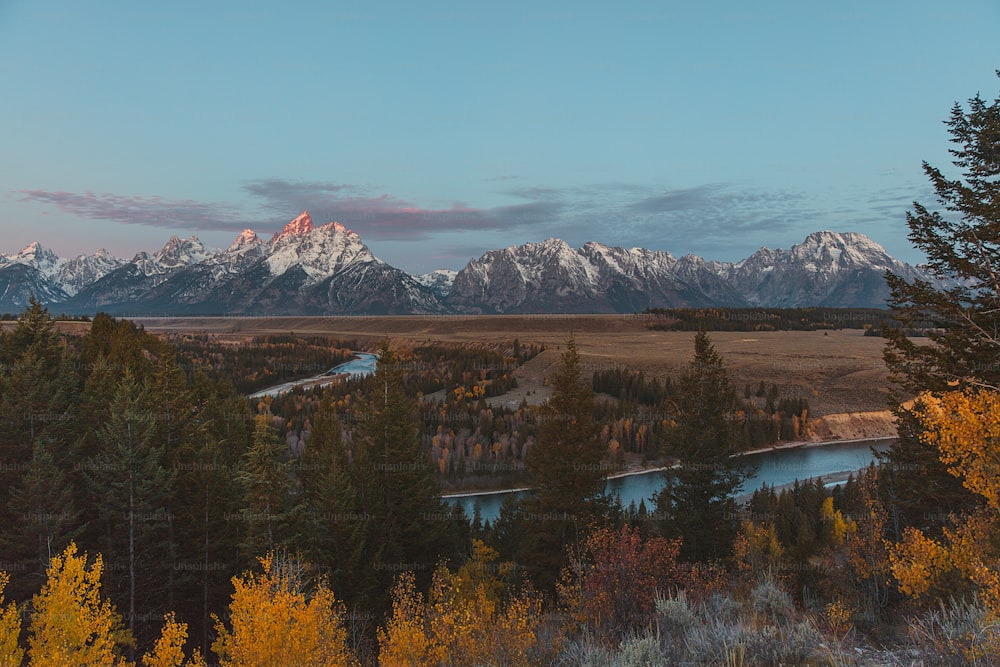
<point x="806" y="470"/>
<point x="362" y="364"/>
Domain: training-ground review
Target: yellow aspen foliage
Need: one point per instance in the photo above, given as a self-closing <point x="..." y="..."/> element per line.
<point x="918" y="562"/>
<point x="756" y="548"/>
<point x="965" y="429"/>
<point x="275" y="623"/>
<point x="868" y="552"/>
<point x="406" y="641"/>
<point x="835" y="525"/>
<point x="71" y="624"/>
<point x="465" y="621"/>
<point x="11" y="654"/>
<point x="169" y="648"/>
<point x="468" y="619"/>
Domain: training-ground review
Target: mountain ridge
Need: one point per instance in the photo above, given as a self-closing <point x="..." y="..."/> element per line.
<point x="328" y="270"/>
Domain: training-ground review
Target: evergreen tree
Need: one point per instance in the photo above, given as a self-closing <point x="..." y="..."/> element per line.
<point x="566" y="469"/>
<point x="45" y="520"/>
<point x="405" y="525"/>
<point x="207" y="497"/>
<point x="30" y="364"/>
<point x="328" y="515"/>
<point x="696" y="502"/>
<point x="131" y="489"/>
<point x="962" y="244"/>
<point x="264" y="476"/>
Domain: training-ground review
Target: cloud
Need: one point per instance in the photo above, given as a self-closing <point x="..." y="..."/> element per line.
<point x="384" y="216"/>
<point x="704" y="219"/>
<point x="148" y="211"/>
<point x="684" y="199"/>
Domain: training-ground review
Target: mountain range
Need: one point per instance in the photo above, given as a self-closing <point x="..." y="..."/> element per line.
<point x="327" y="270"/>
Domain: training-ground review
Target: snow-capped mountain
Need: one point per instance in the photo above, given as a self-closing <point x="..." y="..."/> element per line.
<point x="827" y="269"/>
<point x="302" y="270"/>
<point x="438" y="280"/>
<point x="39" y="257"/>
<point x="75" y="274"/>
<point x="553" y="277"/>
<point x="326" y="270"/>
<point x="39" y="271"/>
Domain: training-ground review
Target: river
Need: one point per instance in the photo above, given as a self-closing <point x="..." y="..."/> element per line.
<point x="777" y="467"/>
<point x="363" y="365"/>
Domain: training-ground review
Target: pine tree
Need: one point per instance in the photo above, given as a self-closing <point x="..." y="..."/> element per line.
<point x="328" y="515"/>
<point x="566" y="469"/>
<point x="405" y="523"/>
<point x="31" y="357"/>
<point x="696" y="502"/>
<point x="962" y="244"/>
<point x="131" y="489"/>
<point x="45" y="518"/>
<point x="208" y="496"/>
<point x="264" y="476"/>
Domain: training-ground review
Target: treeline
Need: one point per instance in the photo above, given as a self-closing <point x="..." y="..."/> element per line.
<point x="767" y="319"/>
<point x="261" y="362"/>
<point x="638" y="421"/>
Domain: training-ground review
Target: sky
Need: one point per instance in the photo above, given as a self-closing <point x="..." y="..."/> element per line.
<point x="440" y="130"/>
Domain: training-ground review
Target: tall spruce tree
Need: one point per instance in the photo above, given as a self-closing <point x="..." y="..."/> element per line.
<point x="207" y="496"/>
<point x="328" y="517"/>
<point x="696" y="501"/>
<point x="131" y="488"/>
<point x="566" y="469"/>
<point x="961" y="240"/>
<point x="404" y="524"/>
<point x="44" y="521"/>
<point x="264" y="477"/>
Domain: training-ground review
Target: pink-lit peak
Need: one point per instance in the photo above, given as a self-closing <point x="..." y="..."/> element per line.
<point x="300" y="225"/>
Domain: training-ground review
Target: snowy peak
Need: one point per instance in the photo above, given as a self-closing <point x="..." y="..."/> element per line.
<point x="180" y="252"/>
<point x="836" y="250"/>
<point x="826" y="269"/>
<point x="439" y="281"/>
<point x="247" y="239"/>
<point x="297" y="227"/>
<point x="306" y="269"/>
<point x="320" y="252"/>
<point x="77" y="273"/>
<point x="39" y="257"/>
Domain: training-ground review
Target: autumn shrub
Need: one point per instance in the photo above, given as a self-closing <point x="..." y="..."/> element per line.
<point x="764" y="631"/>
<point x="275" y="621"/>
<point x="612" y="587"/>
<point x="10" y="630"/>
<point x="467" y="619"/>
<point x="954" y="633"/>
<point x="964" y="427"/>
<point x="71" y="623"/>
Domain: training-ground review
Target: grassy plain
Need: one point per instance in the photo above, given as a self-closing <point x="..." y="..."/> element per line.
<point x="839" y="371"/>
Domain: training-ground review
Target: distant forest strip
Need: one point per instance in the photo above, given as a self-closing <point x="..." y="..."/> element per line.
<point x="769" y="319"/>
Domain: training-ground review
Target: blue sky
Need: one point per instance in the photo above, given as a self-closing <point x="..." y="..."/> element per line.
<point x="440" y="130"/>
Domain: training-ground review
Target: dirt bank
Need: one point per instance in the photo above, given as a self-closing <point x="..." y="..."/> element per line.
<point x="852" y="426"/>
